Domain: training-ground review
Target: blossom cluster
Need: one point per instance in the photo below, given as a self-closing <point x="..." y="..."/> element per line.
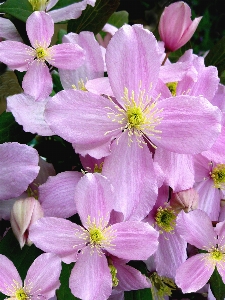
<point x="150" y="138"/>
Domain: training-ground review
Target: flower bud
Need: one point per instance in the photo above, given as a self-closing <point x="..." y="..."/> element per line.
<point x="24" y="213"/>
<point x="175" y="25"/>
<point x="186" y="200"/>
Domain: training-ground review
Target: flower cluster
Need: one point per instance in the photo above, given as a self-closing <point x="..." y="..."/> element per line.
<point x="150" y="138"/>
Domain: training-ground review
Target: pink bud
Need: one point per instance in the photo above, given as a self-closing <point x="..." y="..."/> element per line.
<point x="24" y="213"/>
<point x="175" y="25"/>
<point x="186" y="200"/>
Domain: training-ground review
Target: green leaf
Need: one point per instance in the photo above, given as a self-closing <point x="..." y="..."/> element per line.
<point x="20" y="10"/>
<point x="22" y="258"/>
<point x="64" y="291"/>
<point x="217" y="286"/>
<point x="216" y="56"/>
<point x="94" y="18"/>
<point x="119" y="18"/>
<point x="11" y="131"/>
<point x="138" y="295"/>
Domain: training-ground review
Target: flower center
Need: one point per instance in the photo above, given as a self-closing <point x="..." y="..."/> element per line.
<point x="39" y="4"/>
<point x="172" y="86"/>
<point x="161" y="286"/>
<point x="96" y="236"/>
<point x="218" y="176"/>
<point x="165" y="218"/>
<point x="135" y="117"/>
<point x="41" y="53"/>
<point x="139" y="116"/>
<point x="21" y="295"/>
<point x="216" y="254"/>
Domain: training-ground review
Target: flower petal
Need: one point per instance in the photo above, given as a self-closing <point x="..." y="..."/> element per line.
<point x="29" y="113"/>
<point x="57" y="194"/>
<point x="37" y="82"/>
<point x="18" y="168"/>
<point x="194" y="273"/>
<point x="9" y="276"/>
<point x="134" y="52"/>
<point x="134" y="240"/>
<point x="40" y="29"/>
<point x="44" y="275"/>
<point x="196" y="228"/>
<point x="66" y="56"/>
<point x="59" y="236"/>
<point x="94" y="198"/>
<point x="189" y="124"/>
<point x="92" y="272"/>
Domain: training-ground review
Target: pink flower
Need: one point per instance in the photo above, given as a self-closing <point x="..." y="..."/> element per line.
<point x="196" y="228"/>
<point x="175" y="25"/>
<point x="40" y="29"/>
<point x="40" y="283"/>
<point x="89" y="245"/>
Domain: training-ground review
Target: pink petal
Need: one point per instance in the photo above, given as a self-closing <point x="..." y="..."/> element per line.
<point x="9" y="276"/>
<point x="131" y="50"/>
<point x="189" y="124"/>
<point x="68" y="12"/>
<point x="170" y="163"/>
<point x="40" y="29"/>
<point x="66" y="56"/>
<point x="59" y="236"/>
<point x="16" y="55"/>
<point x="29" y="113"/>
<point x="93" y="65"/>
<point x="92" y="271"/>
<point x="196" y="228"/>
<point x="8" y="30"/>
<point x="18" y="168"/>
<point x="135" y="205"/>
<point x="193" y="274"/>
<point x="134" y="240"/>
<point x="57" y="195"/>
<point x="37" y="82"/>
<point x="94" y="198"/>
<point x="99" y="86"/>
<point x="44" y="275"/>
<point x="170" y="254"/>
<point x="88" y="120"/>
<point x="129" y="278"/>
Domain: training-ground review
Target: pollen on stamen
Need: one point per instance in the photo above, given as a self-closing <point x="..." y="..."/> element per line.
<point x="139" y="117"/>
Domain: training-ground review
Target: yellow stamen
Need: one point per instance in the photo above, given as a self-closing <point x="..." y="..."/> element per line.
<point x="166" y="218"/>
<point x="39" y="4"/>
<point x="218" y="176"/>
<point x="172" y="87"/>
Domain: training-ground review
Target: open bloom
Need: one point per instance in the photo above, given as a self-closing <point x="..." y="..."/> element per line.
<point x="196" y="228"/>
<point x="41" y="281"/>
<point x="175" y="25"/>
<point x="89" y="245"/>
<point x="40" y="29"/>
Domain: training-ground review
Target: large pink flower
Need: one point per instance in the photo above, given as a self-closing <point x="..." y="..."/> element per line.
<point x="89" y="245"/>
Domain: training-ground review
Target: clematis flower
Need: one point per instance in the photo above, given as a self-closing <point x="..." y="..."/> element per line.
<point x="40" y="29"/>
<point x="41" y="281"/>
<point x="89" y="244"/>
<point x="175" y="25"/>
<point x="196" y="228"/>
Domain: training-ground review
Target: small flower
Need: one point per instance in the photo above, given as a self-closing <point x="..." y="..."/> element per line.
<point x="196" y="228"/>
<point x="175" y="25"/>
<point x="41" y="281"/>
